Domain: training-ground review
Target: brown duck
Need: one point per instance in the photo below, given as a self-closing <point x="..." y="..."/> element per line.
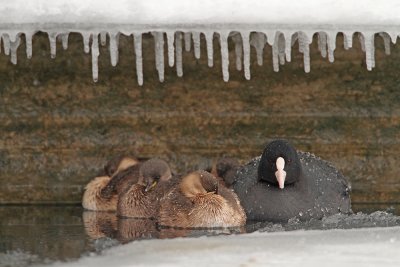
<point x="141" y="199"/>
<point x="200" y="202"/>
<point x="100" y="193"/>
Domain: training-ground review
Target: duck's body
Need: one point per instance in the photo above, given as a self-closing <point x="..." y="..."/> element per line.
<point x="141" y="199"/>
<point x="101" y="194"/>
<point x="198" y="202"/>
<point x="319" y="190"/>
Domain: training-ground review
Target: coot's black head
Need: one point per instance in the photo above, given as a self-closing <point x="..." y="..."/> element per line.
<point x="279" y="164"/>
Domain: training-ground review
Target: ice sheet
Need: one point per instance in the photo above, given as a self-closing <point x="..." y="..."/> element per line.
<point x="355" y="247"/>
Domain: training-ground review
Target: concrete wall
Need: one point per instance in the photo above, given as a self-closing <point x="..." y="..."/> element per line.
<point x="58" y="128"/>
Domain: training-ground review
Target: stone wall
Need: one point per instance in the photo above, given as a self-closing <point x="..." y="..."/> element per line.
<point x="59" y="128"/>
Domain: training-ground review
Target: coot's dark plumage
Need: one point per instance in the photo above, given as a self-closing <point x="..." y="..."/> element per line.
<point x="305" y="187"/>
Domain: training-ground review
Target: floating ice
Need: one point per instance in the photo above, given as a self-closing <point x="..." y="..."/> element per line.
<point x="243" y="23"/>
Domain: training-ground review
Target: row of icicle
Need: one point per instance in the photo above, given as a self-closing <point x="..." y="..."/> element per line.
<point x="281" y="47"/>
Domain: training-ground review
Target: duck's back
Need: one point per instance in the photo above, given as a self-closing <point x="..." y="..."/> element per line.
<point x="321" y="190"/>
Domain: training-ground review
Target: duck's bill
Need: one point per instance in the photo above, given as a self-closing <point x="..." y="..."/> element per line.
<point x="150" y="186"/>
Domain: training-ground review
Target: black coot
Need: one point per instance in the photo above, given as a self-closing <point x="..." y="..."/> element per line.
<point x="284" y="183"/>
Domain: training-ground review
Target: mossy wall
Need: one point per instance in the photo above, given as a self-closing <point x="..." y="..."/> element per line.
<point x="58" y="127"/>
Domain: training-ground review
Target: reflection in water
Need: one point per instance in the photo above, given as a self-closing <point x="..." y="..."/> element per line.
<point x="43" y="234"/>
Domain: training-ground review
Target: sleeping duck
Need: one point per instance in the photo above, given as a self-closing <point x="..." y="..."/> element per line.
<point x="225" y="170"/>
<point x="284" y="183"/>
<point x="141" y="199"/>
<point x="100" y="193"/>
<point x="198" y="201"/>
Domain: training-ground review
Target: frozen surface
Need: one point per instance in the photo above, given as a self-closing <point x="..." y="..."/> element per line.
<point x="278" y="23"/>
<point x="357" y="247"/>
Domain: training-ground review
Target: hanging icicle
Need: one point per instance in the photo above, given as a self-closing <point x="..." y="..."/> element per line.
<point x="114" y="43"/>
<point x="53" y="44"/>
<point x="386" y="41"/>
<point x="237" y="40"/>
<point x="196" y="44"/>
<point x="14" y="44"/>
<point x="331" y="40"/>
<point x="369" y="50"/>
<point x="159" y="53"/>
<point x="210" y="49"/>
<point x="137" y="39"/>
<point x="95" y="56"/>
<point x="64" y="40"/>
<point x="178" y="47"/>
<point x="86" y="40"/>
<point x="188" y="41"/>
<point x="258" y="41"/>
<point x="224" y="55"/>
<point x="171" y="52"/>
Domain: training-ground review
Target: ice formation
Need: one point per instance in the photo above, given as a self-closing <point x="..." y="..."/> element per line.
<point x="188" y="24"/>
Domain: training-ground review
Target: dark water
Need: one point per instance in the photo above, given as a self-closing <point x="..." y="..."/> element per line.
<point x="44" y="234"/>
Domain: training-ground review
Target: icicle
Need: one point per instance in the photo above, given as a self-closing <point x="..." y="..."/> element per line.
<point x="304" y="46"/>
<point x="246" y="52"/>
<point x="139" y="60"/>
<point x="6" y="43"/>
<point x="331" y="46"/>
<point x="178" y="44"/>
<point x="210" y="49"/>
<point x="171" y="55"/>
<point x="348" y="40"/>
<point x="114" y="41"/>
<point x="64" y="40"/>
<point x="188" y="41"/>
<point x="95" y="55"/>
<point x="28" y="41"/>
<point x="196" y="44"/>
<point x="14" y="47"/>
<point x="386" y="41"/>
<point x="159" y="53"/>
<point x="275" y="52"/>
<point x="322" y="43"/>
<point x="369" y="50"/>
<point x="393" y="36"/>
<point x="288" y="46"/>
<point x="103" y="38"/>
<point x="86" y="39"/>
<point x="362" y="41"/>
<point x="258" y="41"/>
<point x="281" y="49"/>
<point x="53" y="44"/>
<point x="237" y="40"/>
<point x="224" y="55"/>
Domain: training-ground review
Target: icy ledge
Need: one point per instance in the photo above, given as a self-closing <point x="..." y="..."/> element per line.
<point x="177" y="24"/>
<point x="361" y="247"/>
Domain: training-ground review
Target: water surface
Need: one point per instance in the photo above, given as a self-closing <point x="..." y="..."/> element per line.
<point x="44" y="234"/>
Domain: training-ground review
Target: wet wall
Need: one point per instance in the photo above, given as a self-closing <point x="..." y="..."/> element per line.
<point x="58" y="128"/>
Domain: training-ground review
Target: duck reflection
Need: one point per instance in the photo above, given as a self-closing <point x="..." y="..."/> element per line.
<point x="130" y="229"/>
<point x="99" y="224"/>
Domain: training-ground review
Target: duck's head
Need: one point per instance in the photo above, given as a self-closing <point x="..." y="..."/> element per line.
<point x="279" y="164"/>
<point x="119" y="163"/>
<point x="226" y="169"/>
<point x="152" y="172"/>
<point x="199" y="183"/>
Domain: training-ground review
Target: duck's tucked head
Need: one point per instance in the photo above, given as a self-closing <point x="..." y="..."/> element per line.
<point x="198" y="183"/>
<point x="153" y="171"/>
<point x="119" y="163"/>
<point x="279" y="164"/>
<point x="226" y="169"/>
